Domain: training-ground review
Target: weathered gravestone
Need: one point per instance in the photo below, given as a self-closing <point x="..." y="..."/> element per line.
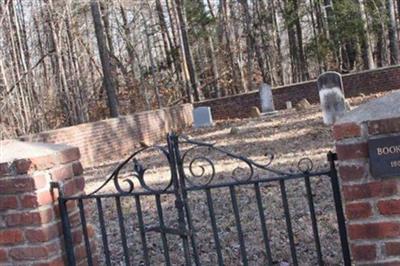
<point x="331" y="95"/>
<point x="266" y="99"/>
<point x="202" y="117"/>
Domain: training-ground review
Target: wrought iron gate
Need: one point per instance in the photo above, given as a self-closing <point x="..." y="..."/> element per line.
<point x="199" y="175"/>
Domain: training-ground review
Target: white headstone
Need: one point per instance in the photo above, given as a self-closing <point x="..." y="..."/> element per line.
<point x="202" y="117"/>
<point x="266" y="99"/>
<point x="331" y="95"/>
<point x="289" y="105"/>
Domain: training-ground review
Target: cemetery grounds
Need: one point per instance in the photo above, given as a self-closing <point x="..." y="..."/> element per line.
<point x="290" y="135"/>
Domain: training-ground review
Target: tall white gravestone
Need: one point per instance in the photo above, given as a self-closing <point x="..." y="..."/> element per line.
<point x="266" y="99"/>
<point x="331" y="95"/>
<point x="202" y="117"/>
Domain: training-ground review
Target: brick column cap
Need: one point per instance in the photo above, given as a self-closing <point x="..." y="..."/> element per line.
<point x="17" y="157"/>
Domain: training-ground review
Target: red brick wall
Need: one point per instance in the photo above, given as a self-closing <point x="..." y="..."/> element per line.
<point x="114" y="138"/>
<point x="30" y="223"/>
<point x="367" y="82"/>
<point x="372" y="205"/>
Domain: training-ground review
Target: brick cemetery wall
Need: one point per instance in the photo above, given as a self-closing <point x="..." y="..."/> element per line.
<point x="372" y="203"/>
<point x="366" y="82"/>
<point x="30" y="226"/>
<point x="114" y="138"/>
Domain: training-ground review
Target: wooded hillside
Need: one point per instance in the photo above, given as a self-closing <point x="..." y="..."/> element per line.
<point x="65" y="62"/>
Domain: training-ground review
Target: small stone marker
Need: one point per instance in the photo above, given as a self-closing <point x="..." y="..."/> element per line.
<point x="331" y="95"/>
<point x="303" y="105"/>
<point x="202" y="117"/>
<point x="234" y="131"/>
<point x="289" y="105"/>
<point x="255" y="112"/>
<point x="266" y="98"/>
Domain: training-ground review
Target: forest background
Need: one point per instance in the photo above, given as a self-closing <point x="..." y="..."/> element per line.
<point x="66" y="62"/>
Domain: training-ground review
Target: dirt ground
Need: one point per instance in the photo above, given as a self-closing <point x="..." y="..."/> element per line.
<point x="290" y="135"/>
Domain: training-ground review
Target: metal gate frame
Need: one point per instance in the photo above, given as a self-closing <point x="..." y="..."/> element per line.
<point x="180" y="185"/>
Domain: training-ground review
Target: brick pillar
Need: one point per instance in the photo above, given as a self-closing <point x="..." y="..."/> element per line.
<point x="30" y="227"/>
<point x="372" y="205"/>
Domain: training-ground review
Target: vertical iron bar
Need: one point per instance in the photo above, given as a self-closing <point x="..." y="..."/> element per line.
<point x="238" y="225"/>
<point x="288" y="221"/>
<point x="85" y="232"/>
<point x="162" y="227"/>
<point x="122" y="229"/>
<point x="214" y="227"/>
<point x="263" y="224"/>
<point x="183" y="193"/>
<point x="142" y="230"/>
<point x="191" y="229"/>
<point x="332" y="157"/>
<point x="69" y="247"/>
<point x="173" y="157"/>
<point x="103" y="231"/>
<point x="313" y="219"/>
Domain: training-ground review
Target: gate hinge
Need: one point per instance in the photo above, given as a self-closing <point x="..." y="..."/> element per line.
<point x="168" y="230"/>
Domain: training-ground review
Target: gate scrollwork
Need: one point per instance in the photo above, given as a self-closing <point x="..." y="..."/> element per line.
<point x="198" y="168"/>
<point x="125" y="184"/>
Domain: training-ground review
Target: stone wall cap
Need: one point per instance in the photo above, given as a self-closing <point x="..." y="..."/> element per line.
<point x="11" y="150"/>
<point x="384" y="107"/>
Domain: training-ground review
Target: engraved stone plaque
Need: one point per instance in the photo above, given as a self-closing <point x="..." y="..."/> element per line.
<point x="384" y="156"/>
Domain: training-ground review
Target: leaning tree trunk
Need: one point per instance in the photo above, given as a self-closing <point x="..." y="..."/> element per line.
<point x="105" y="59"/>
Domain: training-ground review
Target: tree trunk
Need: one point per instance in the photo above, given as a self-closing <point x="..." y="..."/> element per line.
<point x="291" y="32"/>
<point x="105" y="59"/>
<point x="152" y="64"/>
<point x="237" y="55"/>
<point x="128" y="45"/>
<point x="261" y="39"/>
<point x="188" y="54"/>
<point x="249" y="43"/>
<point x="381" y="46"/>
<point x="175" y="50"/>
<point x="302" y="62"/>
<point x="331" y="31"/>
<point x="316" y="35"/>
<point x="393" y="39"/>
<point x="367" y="51"/>
<point x="214" y="66"/>
<point x="278" y="63"/>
